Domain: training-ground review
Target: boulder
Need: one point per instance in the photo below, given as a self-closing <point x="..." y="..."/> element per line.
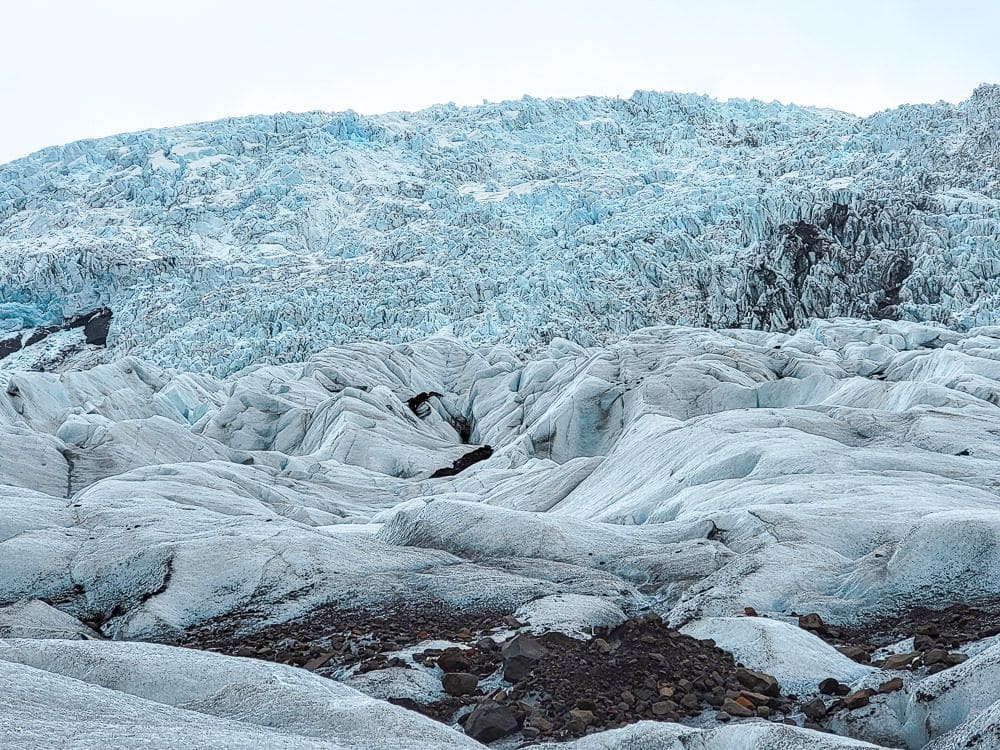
<point x="489" y="721"/>
<point x="815" y="710"/>
<point x="732" y="708"/>
<point x="520" y="655"/>
<point x="453" y="660"/>
<point x="758" y="682"/>
<point x="900" y="661"/>
<point x="664" y="709"/>
<point x="540" y="723"/>
<point x="832" y="686"/>
<point x="857" y="699"/>
<point x="855" y="653"/>
<point x="812" y="622"/>
<point x="459" y="683"/>
<point x="891" y="686"/>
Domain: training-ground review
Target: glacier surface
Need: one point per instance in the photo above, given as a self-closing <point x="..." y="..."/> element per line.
<point x="850" y="469"/>
<point x="264" y="239"/>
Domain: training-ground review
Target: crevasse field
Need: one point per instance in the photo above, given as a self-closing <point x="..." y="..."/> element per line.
<point x="731" y="359"/>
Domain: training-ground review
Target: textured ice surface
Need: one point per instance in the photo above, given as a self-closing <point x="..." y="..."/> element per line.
<point x="265" y="238"/>
<point x="32" y="618"/>
<point x="753" y="736"/>
<point x="792" y="655"/>
<point x="89" y="694"/>
<point x="235" y="451"/>
<point x="947" y="702"/>
<point x="850" y="468"/>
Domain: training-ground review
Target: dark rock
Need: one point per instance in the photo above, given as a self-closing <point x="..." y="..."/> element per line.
<point x="831" y="686"/>
<point x="459" y="683"/>
<point x="891" y="686"/>
<point x="418" y="404"/>
<point x="601" y="645"/>
<point x="319" y="661"/>
<point x="95" y="330"/>
<point x="453" y="660"/>
<point x="738" y="710"/>
<point x="814" y="709"/>
<point x="97" y="326"/>
<point x="900" y="661"/>
<point x="934" y="656"/>
<point x="948" y="628"/>
<point x="664" y="708"/>
<point x="858" y="699"/>
<point x="757" y="699"/>
<point x="540" y="723"/>
<point x="690" y="700"/>
<point x="489" y="721"/>
<point x="464" y="462"/>
<point x="519" y="656"/>
<point x="9" y="346"/>
<point x="812" y="622"/>
<point x="758" y="682"/>
<point x="855" y="653"/>
<point x="955" y="658"/>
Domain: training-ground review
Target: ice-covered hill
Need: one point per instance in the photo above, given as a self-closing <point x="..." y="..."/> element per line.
<point x="266" y="238"/>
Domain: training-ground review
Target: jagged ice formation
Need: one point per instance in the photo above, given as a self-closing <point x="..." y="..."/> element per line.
<point x="266" y="238"/>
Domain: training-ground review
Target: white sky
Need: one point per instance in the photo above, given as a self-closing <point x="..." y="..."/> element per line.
<point x="84" y="68"/>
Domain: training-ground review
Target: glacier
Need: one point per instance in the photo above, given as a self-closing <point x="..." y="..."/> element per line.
<point x="574" y="361"/>
<point x="264" y="239"/>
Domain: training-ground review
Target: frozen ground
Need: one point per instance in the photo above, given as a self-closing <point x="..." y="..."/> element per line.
<point x="851" y="469"/>
<point x="265" y="239"/>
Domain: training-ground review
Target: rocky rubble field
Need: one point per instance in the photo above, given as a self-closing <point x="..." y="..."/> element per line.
<point x="689" y="539"/>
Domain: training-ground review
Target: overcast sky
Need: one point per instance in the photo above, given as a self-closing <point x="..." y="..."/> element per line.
<point x="84" y="68"/>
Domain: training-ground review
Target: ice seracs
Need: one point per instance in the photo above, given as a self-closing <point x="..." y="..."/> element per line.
<point x="264" y="239"/>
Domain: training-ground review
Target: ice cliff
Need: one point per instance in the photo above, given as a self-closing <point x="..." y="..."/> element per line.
<point x="266" y="238"/>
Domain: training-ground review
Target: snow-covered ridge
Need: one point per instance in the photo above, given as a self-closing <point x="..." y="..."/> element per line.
<point x="267" y="238"/>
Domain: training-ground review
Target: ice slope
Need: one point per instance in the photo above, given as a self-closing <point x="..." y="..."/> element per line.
<point x="90" y="694"/>
<point x="264" y="239"/>
<point x="851" y="468"/>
